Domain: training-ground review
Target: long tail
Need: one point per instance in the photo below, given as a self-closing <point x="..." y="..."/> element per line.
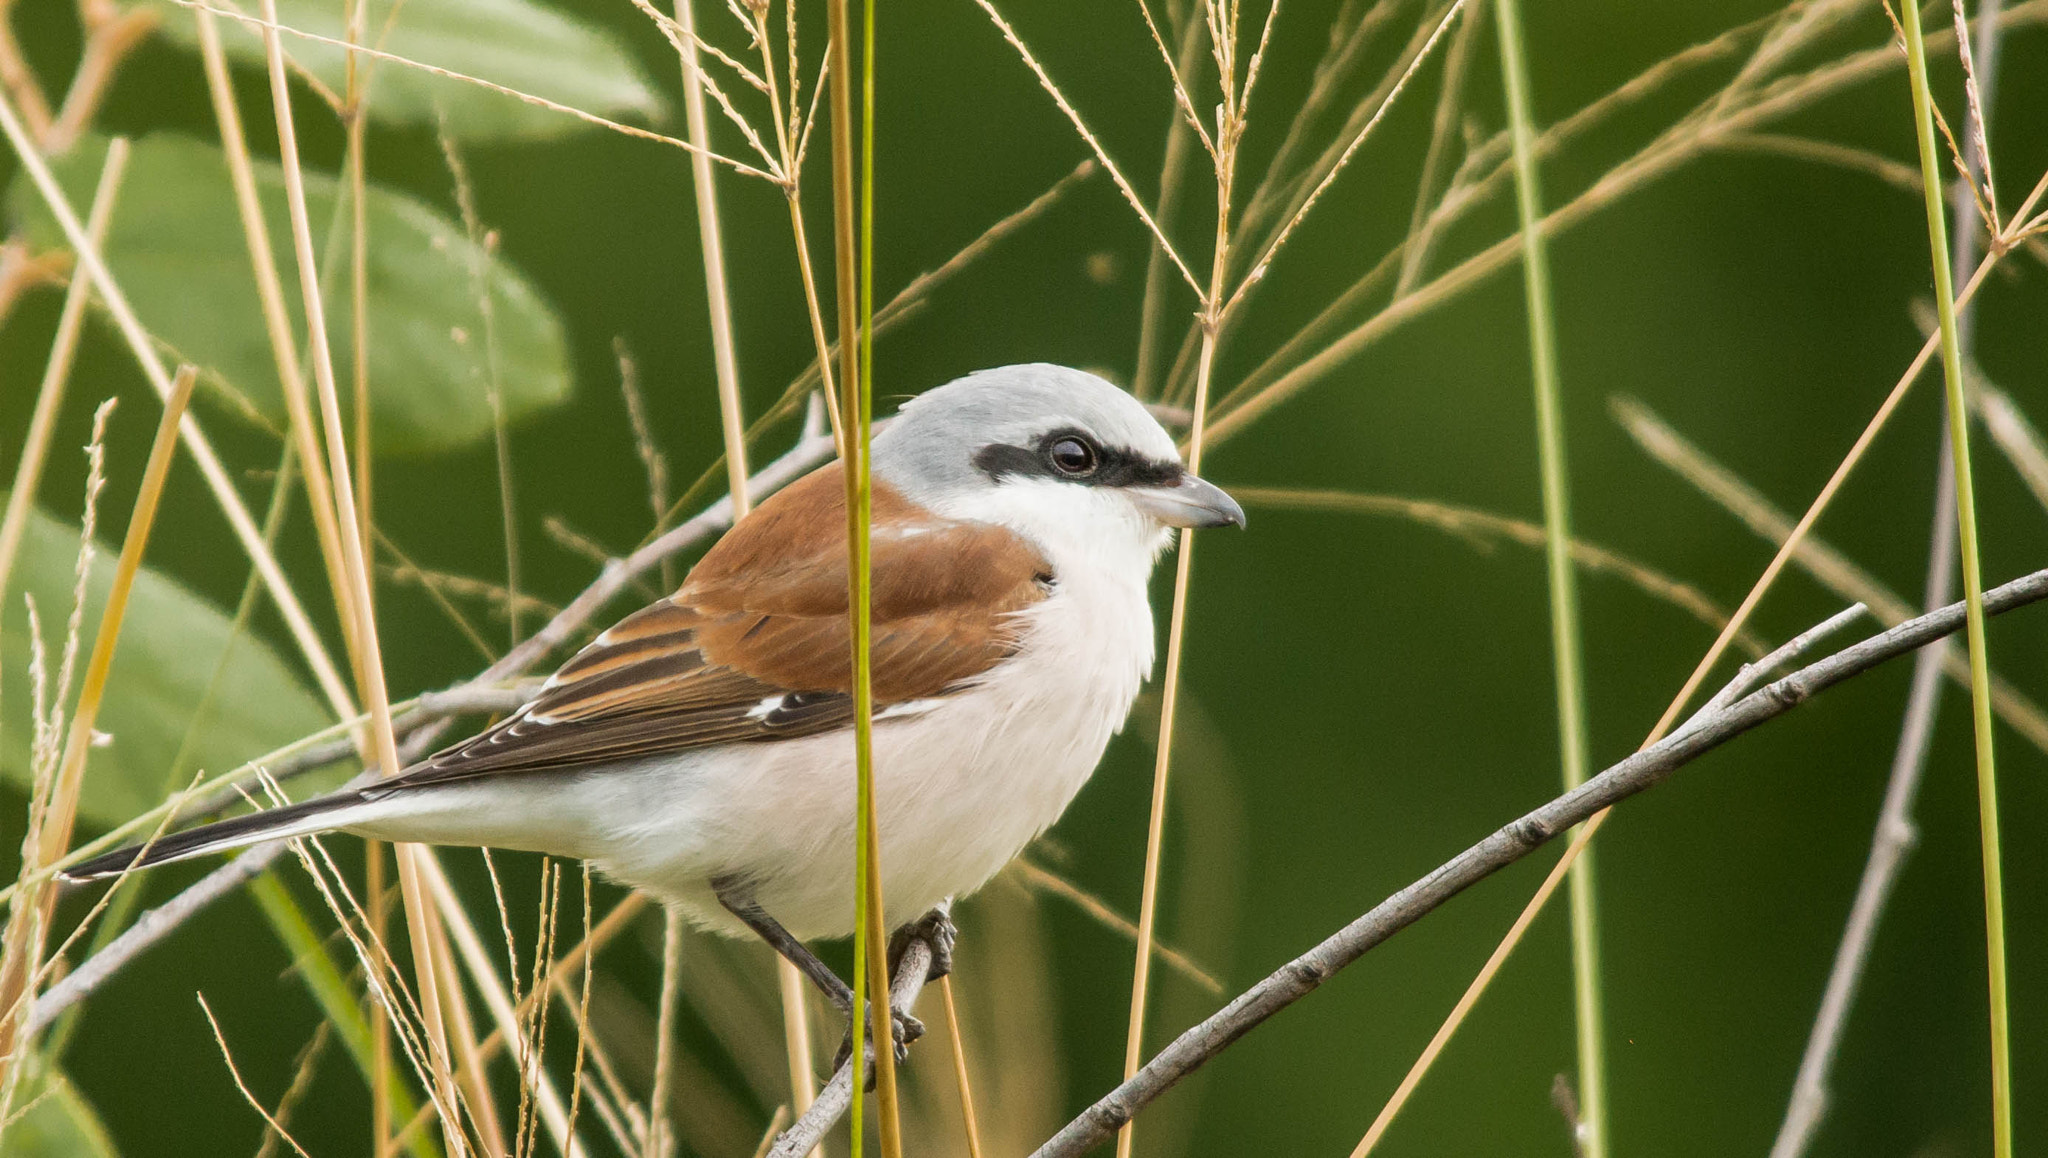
<point x="311" y="816"/>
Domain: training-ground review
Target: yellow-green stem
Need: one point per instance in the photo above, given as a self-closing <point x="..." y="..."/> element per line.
<point x="1973" y="588"/>
<point x="1564" y="598"/>
<point x="870" y="975"/>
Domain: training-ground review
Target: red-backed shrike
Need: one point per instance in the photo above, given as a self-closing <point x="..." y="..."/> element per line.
<point x="700" y="749"/>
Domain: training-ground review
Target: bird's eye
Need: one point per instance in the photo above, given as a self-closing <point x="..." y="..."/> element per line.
<point x="1073" y="456"/>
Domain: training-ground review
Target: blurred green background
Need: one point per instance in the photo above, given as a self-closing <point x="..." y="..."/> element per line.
<point x="1369" y="695"/>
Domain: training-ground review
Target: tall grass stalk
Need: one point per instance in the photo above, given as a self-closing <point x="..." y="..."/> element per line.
<point x="1569" y="667"/>
<point x="1221" y="17"/>
<point x="870" y="973"/>
<point x="277" y="324"/>
<point x="355" y="596"/>
<point x="876" y="956"/>
<point x="711" y="237"/>
<point x="1973" y="588"/>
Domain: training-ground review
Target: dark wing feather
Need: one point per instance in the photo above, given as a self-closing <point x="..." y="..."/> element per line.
<point x="755" y="645"/>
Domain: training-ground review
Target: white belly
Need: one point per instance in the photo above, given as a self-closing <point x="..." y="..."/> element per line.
<point x="961" y="786"/>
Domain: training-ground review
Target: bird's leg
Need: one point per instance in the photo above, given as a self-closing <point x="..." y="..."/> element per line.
<point x="935" y="929"/>
<point x="741" y="905"/>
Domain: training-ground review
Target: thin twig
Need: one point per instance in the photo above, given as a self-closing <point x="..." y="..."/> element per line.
<point x="1639" y="772"/>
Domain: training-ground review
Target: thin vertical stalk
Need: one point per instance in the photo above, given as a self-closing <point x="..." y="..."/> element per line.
<point x="665" y="1019"/>
<point x="874" y="925"/>
<point x="378" y="905"/>
<point x="968" y="1120"/>
<point x="26" y="937"/>
<point x="1893" y="840"/>
<point x="358" y="120"/>
<point x="856" y="401"/>
<point x="796" y="1029"/>
<point x="42" y="424"/>
<point x="712" y="238"/>
<point x="371" y="665"/>
<point x="277" y="323"/>
<point x="1973" y="588"/>
<point x="1209" y="320"/>
<point x="1569" y="672"/>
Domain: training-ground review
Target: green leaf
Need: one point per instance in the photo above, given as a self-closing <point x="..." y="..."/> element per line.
<point x="171" y="643"/>
<point x="515" y="43"/>
<point x="59" y="1123"/>
<point x="176" y="247"/>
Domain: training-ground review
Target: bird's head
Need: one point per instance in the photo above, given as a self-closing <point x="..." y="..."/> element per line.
<point x="1057" y="455"/>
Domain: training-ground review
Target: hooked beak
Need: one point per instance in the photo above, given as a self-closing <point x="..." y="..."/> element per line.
<point x="1190" y="502"/>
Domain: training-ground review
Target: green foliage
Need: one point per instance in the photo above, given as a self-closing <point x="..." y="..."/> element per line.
<point x="171" y="643"/>
<point x="59" y="1123"/>
<point x="514" y="43"/>
<point x="176" y="247"/>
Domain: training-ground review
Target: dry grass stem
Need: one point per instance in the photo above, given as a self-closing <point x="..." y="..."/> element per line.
<point x="355" y="598"/>
<point x="1087" y="135"/>
<point x="276" y="1127"/>
<point x="1482" y="529"/>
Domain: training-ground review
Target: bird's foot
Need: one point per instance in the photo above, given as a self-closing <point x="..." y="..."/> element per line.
<point x="935" y="929"/>
<point x="903" y="1027"/>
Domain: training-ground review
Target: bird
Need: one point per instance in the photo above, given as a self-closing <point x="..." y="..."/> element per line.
<point x="700" y="748"/>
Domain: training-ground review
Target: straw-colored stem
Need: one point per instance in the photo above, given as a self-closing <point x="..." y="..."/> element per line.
<point x="25" y="938"/>
<point x="277" y="324"/>
<point x="1973" y="589"/>
<point x="357" y="603"/>
<point x="1565" y="642"/>
<point x="712" y="239"/>
<point x="870" y="985"/>
<point x="665" y="1016"/>
<point x="1155" y="829"/>
<point x="42" y="424"/>
<point x="968" y="1121"/>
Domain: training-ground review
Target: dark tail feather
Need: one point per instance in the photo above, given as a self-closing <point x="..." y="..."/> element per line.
<point x="220" y="836"/>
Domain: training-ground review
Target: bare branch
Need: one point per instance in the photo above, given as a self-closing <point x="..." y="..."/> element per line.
<point x="1646" y="769"/>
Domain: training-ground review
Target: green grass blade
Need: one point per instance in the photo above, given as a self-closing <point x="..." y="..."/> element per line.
<point x="1564" y="596"/>
<point x="1973" y="588"/>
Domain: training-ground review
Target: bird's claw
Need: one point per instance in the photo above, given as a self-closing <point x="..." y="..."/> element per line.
<point x="936" y="930"/>
<point x="903" y="1028"/>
